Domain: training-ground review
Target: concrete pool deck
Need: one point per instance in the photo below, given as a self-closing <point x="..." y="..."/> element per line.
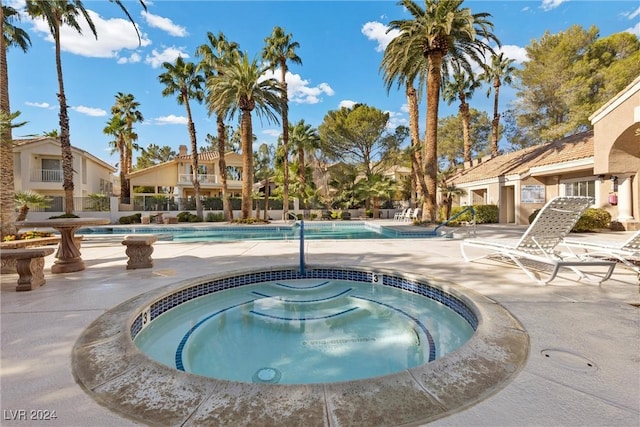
<point x="568" y="322"/>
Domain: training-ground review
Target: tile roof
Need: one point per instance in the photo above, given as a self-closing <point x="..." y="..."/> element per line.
<point x="205" y="156"/>
<point x="575" y="147"/>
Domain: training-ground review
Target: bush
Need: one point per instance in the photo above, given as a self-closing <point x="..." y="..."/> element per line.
<point x="130" y="219"/>
<point x="345" y="215"/>
<point x="214" y="217"/>
<point x="591" y="219"/>
<point x="250" y="221"/>
<point x="188" y="217"/>
<point x="64" y="216"/>
<point x="485" y="214"/>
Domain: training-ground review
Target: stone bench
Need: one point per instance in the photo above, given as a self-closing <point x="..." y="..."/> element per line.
<point x="139" y="250"/>
<point x="8" y="265"/>
<point x="29" y="265"/>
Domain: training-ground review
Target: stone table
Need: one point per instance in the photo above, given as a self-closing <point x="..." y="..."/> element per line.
<point x="68" y="257"/>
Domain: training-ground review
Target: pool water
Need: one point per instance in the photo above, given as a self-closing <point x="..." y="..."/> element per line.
<point x="303" y="331"/>
<point x="312" y="231"/>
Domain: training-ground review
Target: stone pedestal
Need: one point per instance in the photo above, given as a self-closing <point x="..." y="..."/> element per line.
<point x="139" y="250"/>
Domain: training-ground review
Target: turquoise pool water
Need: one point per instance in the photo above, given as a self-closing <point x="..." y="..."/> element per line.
<point x="304" y="331"/>
<point x="312" y="231"/>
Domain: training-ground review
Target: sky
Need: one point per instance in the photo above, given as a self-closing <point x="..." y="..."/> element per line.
<point x="341" y="47"/>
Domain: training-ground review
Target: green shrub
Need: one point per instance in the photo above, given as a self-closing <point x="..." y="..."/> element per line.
<point x="313" y="216"/>
<point x="345" y="215"/>
<point x="250" y="221"/>
<point x="195" y="218"/>
<point x="591" y="219"/>
<point x="64" y="216"/>
<point x="214" y="217"/>
<point x="188" y="217"/>
<point x="130" y="219"/>
<point x="485" y="214"/>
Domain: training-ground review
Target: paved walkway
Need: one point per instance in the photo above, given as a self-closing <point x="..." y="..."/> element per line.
<point x="575" y="323"/>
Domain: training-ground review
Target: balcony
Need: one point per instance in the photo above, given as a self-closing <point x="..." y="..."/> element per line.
<point x="46" y="175"/>
<point x="204" y="179"/>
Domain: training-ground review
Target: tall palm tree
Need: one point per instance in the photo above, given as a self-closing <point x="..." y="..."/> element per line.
<point x="10" y="36"/>
<point x="461" y="87"/>
<point x="57" y="13"/>
<point x="499" y="71"/>
<point x="278" y="50"/>
<point x="398" y="65"/>
<point x="117" y="127"/>
<point x="182" y="78"/>
<point x="304" y="138"/>
<point x="240" y="88"/>
<point x="442" y="32"/>
<point x="126" y="107"/>
<point x="214" y="55"/>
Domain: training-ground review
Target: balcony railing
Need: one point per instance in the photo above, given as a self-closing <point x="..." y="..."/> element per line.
<point x="203" y="179"/>
<point x="46" y="175"/>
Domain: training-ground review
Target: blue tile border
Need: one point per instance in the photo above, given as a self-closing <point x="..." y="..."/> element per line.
<point x="181" y="296"/>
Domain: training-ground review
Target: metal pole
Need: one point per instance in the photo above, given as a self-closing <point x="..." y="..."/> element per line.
<point x="302" y="270"/>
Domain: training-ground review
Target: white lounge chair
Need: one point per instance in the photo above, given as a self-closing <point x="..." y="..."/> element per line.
<point x="625" y="252"/>
<point x="407" y="215"/>
<point x="538" y="244"/>
<point x="399" y="215"/>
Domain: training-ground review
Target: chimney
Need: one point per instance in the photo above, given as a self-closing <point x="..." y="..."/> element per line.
<point x="183" y="150"/>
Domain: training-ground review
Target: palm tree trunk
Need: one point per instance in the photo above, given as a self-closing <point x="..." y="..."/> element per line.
<point x="246" y="135"/>
<point x="431" y="137"/>
<point x="194" y="157"/>
<point x="222" y="165"/>
<point x="7" y="202"/>
<point x="420" y="187"/>
<point x="466" y="138"/>
<point x="285" y="141"/>
<point x="496" y="118"/>
<point x="123" y="180"/>
<point x="65" y="139"/>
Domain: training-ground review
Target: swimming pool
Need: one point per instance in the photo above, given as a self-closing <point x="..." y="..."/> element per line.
<point x="312" y="231"/>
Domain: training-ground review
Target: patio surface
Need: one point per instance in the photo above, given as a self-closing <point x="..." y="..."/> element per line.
<point x="569" y="320"/>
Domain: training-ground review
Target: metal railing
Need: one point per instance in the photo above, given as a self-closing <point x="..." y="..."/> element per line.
<point x="203" y="179"/>
<point x="46" y="175"/>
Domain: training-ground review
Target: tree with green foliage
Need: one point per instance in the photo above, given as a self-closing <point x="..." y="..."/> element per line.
<point x="28" y="199"/>
<point x="154" y="155"/>
<point x="214" y="55"/>
<point x="181" y="78"/>
<point x="57" y="13"/>
<point x="499" y="71"/>
<point x="264" y="171"/>
<point x="242" y="88"/>
<point x="567" y="77"/>
<point x="278" y="51"/>
<point x="440" y="34"/>
<point x="450" y="136"/>
<point x="304" y="140"/>
<point x="461" y="86"/>
<point x="10" y="36"/>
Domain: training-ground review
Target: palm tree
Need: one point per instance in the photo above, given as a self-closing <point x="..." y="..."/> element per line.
<point x="461" y="86"/>
<point x="277" y="52"/>
<point x="10" y="36"/>
<point x="241" y="88"/>
<point x="30" y="199"/>
<point x="214" y="56"/>
<point x="399" y="66"/>
<point x="439" y="33"/>
<point x="57" y="13"/>
<point x="117" y="128"/>
<point x="181" y="78"/>
<point x="304" y="138"/>
<point x="500" y="70"/>
<point x="126" y="107"/>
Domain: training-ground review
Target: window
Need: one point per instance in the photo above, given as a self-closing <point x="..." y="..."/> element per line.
<point x="51" y="170"/>
<point x="580" y="188"/>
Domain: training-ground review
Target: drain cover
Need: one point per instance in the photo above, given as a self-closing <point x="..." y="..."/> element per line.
<point x="267" y="375"/>
<point x="569" y="360"/>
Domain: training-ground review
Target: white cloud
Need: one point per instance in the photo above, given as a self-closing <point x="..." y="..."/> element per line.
<point x="396" y="119"/>
<point x="634" y="14"/>
<point x="113" y="36"/>
<point x="347" y="103"/>
<point x="39" y="104"/>
<point x="377" y="32"/>
<point x="272" y="132"/>
<point x="132" y="59"/>
<point x="169" y="54"/>
<point x="514" y="52"/>
<point x="170" y="120"/>
<point x="551" y="4"/>
<point x="165" y="24"/>
<point x="298" y="89"/>
<point x="634" y="30"/>
<point x="89" y="111"/>
<point x="404" y="108"/>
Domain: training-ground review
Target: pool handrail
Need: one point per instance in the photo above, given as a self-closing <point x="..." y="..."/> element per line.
<point x="472" y="223"/>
